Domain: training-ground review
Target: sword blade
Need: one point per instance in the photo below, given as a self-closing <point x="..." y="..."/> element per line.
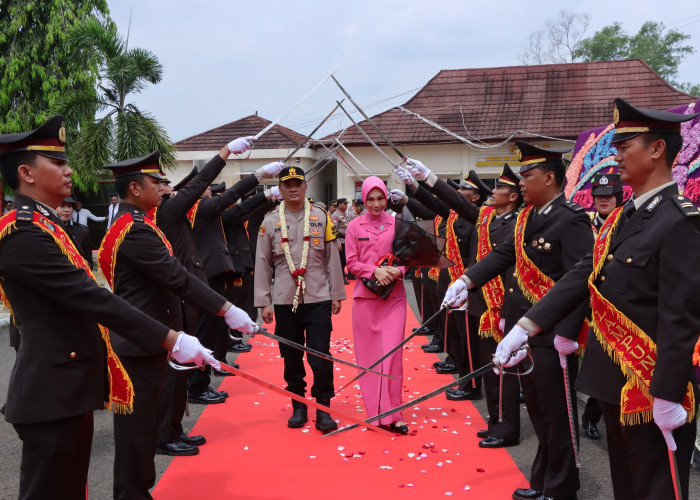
<point x="570" y="408"/>
<point x="374" y="126"/>
<point x="420" y="399"/>
<point x="396" y="347"/>
<point x="369" y="139"/>
<point x="312" y="133"/>
<point x="674" y="474"/>
<point x="320" y="354"/>
<point x="286" y="113"/>
<point x="301" y="399"/>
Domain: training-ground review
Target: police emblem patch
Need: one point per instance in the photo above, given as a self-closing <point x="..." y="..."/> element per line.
<point x="316" y="242"/>
<point x="261" y="231"/>
<point x="316" y="232"/>
<point x="313" y="217"/>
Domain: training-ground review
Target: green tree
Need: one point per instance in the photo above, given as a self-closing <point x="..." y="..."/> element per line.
<point x="118" y="129"/>
<point x="36" y="62"/>
<point x="663" y="50"/>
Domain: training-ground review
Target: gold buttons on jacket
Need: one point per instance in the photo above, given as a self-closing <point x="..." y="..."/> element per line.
<point x="629" y="259"/>
<point x="602" y="278"/>
<point x="73" y="355"/>
<point x="610" y="257"/>
<point x="515" y="275"/>
<point x="510" y="290"/>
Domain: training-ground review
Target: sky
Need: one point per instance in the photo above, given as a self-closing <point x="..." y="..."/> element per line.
<point x="224" y="60"/>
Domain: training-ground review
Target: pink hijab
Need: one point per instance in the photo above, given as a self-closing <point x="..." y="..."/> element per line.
<point x="371" y="183"/>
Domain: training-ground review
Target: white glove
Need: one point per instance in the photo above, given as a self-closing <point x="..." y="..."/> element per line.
<point x="417" y="169"/>
<point x="187" y="349"/>
<point x="275" y="193"/>
<point x="502" y="325"/>
<point x="271" y="169"/>
<point x="404" y="175"/>
<point x="398" y="196"/>
<point x="669" y="416"/>
<point x="564" y="347"/>
<point x="238" y="319"/>
<point x="516" y="337"/>
<point x="452" y="295"/>
<point x="242" y="144"/>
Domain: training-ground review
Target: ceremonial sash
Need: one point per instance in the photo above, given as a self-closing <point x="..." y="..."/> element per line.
<point x="533" y="282"/>
<point x="107" y="254"/>
<point x="152" y="214"/>
<point x="493" y="291"/>
<point x="192" y="213"/>
<point x="452" y="249"/>
<point x="626" y="344"/>
<point x="434" y="272"/>
<point x="121" y="390"/>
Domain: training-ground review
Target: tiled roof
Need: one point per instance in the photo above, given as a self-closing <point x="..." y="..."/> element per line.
<point x="554" y="100"/>
<point x="278" y="137"/>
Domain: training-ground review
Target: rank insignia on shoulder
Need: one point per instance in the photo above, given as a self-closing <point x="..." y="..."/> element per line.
<point x="686" y="206"/>
<point x="650" y="208"/>
<point x="42" y="210"/>
<point x="137" y="216"/>
<point x="508" y="216"/>
<point x="24" y="214"/>
<point x="575" y="207"/>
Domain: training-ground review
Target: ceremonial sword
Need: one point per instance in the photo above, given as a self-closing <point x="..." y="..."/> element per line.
<point x="312" y="133"/>
<point x="570" y="409"/>
<point x="397" y="347"/>
<point x="284" y="115"/>
<point x="320" y="354"/>
<point x="374" y="126"/>
<point x="364" y="134"/>
<point x="440" y="390"/>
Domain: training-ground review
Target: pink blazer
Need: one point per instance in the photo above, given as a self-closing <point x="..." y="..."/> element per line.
<point x="364" y="246"/>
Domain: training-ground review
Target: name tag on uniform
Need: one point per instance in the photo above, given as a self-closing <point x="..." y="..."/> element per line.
<point x="363" y="239"/>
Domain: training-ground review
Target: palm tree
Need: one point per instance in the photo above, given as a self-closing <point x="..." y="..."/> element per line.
<point x="109" y="128"/>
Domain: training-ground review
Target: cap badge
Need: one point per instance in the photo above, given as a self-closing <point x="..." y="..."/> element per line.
<point x="518" y="154"/>
<point x="62" y="133"/>
<point x="603" y="181"/>
<point x="292" y="171"/>
<point x="616" y="115"/>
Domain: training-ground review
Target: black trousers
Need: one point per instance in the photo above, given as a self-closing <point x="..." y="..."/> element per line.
<point x="468" y="344"/>
<point x="136" y="434"/>
<point x="343" y="261"/>
<point x="173" y="403"/>
<point x="310" y="325"/>
<point x="554" y="471"/>
<point x="241" y="295"/>
<point x="509" y="428"/>
<point x="592" y="411"/>
<point x="639" y="461"/>
<point x="55" y="458"/>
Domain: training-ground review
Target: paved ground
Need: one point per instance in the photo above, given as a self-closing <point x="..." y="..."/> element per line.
<point x="595" y="476"/>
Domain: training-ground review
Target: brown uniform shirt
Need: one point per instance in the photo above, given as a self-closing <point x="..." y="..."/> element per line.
<point x="323" y="276"/>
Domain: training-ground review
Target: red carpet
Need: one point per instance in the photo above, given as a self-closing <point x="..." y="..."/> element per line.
<point x="251" y="454"/>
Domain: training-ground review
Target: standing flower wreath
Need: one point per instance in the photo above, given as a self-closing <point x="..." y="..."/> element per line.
<point x="297" y="273"/>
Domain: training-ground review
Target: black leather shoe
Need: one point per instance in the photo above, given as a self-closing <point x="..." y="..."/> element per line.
<point x="446" y="368"/>
<point x="495" y="442"/>
<point x="438" y="364"/>
<point x="176" y="449"/>
<point x="484" y="433"/>
<point x="298" y="418"/>
<point x="433" y="348"/>
<point x="462" y="395"/>
<point x="221" y="373"/>
<point x="526" y="494"/>
<point x="324" y="422"/>
<point x="421" y="331"/>
<point x="345" y="281"/>
<point x="193" y="440"/>
<point x="206" y="398"/>
<point x="239" y="347"/>
<point x="590" y="430"/>
<point x="223" y="394"/>
<point x="399" y="428"/>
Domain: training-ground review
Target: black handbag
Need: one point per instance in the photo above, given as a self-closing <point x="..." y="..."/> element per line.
<point x="381" y="290"/>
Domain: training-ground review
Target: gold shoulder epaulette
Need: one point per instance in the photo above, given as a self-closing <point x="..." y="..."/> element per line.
<point x="686" y="206"/>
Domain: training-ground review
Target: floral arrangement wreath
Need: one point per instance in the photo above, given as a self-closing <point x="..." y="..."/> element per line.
<point x="297" y="274"/>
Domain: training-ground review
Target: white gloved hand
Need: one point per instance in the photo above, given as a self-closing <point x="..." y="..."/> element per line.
<point x="417" y="169"/>
<point x="502" y="325"/>
<point x="242" y="144"/>
<point x="187" y="349"/>
<point x="668" y="416"/>
<point x="516" y="337"/>
<point x="404" y="175"/>
<point x="238" y="319"/>
<point x="275" y="193"/>
<point x="564" y="347"/>
<point x="271" y="169"/>
<point x="452" y="294"/>
<point x="398" y="196"/>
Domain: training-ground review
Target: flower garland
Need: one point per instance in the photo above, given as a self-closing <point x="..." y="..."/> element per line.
<point x="297" y="274"/>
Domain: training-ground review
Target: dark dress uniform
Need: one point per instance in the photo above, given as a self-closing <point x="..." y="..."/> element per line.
<point x="554" y="240"/>
<point x="500" y="229"/>
<point x="171" y="218"/>
<point x="211" y="244"/>
<point x="60" y="373"/>
<point x="648" y="280"/>
<point x="81" y="237"/>
<point x="155" y="282"/>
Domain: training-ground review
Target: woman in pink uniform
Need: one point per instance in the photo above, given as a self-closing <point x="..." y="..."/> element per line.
<point x="378" y="324"/>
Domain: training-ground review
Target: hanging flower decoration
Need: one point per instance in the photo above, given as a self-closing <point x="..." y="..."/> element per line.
<point x="297" y="273"/>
